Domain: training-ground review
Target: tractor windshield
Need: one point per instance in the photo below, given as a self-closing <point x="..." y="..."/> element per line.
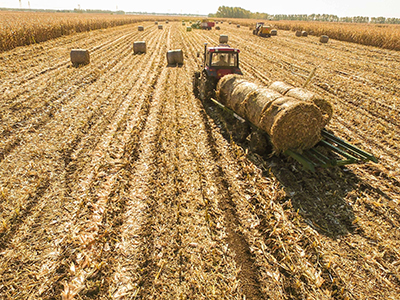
<point x="224" y="59"/>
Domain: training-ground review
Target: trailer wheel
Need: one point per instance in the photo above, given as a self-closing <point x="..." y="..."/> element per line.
<point x="259" y="143"/>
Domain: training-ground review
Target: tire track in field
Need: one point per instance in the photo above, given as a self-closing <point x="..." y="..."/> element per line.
<point x="33" y="134"/>
<point x="95" y="51"/>
<point x="248" y="276"/>
<point x="51" y="109"/>
<point x="97" y="197"/>
<point x="50" y="269"/>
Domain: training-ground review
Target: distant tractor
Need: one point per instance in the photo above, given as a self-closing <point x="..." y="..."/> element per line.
<point x="217" y="62"/>
<point x="262" y="30"/>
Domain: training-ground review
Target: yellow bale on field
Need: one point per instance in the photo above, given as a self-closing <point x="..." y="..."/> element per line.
<point x="223" y="39"/>
<point x="304" y="33"/>
<point x="298" y="33"/>
<point x="324" y="39"/>
<point x="80" y="57"/>
<point x="188" y="28"/>
<point x="175" y="57"/>
<point x="140" y="28"/>
<point x="139" y="47"/>
<point x="274" y="32"/>
<point x="160" y="26"/>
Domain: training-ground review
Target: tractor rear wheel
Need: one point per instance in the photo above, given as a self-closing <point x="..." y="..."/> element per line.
<point x="195" y="83"/>
<point x="207" y="87"/>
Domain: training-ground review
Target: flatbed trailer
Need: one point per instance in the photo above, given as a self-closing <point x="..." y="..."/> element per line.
<point x="330" y="151"/>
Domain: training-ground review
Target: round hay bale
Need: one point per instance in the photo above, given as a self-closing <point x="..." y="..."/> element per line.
<point x="139" y="47"/>
<point x="257" y="102"/>
<point x="223" y="39"/>
<point x="274" y="32"/>
<point x="238" y="25"/>
<point x="140" y="28"/>
<point x="240" y="92"/>
<point x="166" y="22"/>
<point x="324" y="39"/>
<point x="222" y="22"/>
<point x="281" y="87"/>
<point x="230" y="23"/>
<point x="225" y="87"/>
<point x="183" y="23"/>
<point x="304" y="33"/>
<point x="298" y="33"/>
<point x="292" y="124"/>
<point x="188" y="28"/>
<point x="217" y="28"/>
<point x="80" y="57"/>
<point x="305" y="95"/>
<point x="156" y="22"/>
<point x="175" y="57"/>
<point x="160" y="26"/>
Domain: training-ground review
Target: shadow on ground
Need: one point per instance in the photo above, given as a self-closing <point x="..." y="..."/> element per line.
<point x="324" y="199"/>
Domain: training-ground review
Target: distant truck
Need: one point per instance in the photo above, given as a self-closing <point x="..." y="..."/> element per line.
<point x="262" y="30"/>
<point x="207" y="25"/>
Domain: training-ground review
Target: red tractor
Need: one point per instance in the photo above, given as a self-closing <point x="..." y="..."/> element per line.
<point x="218" y="62"/>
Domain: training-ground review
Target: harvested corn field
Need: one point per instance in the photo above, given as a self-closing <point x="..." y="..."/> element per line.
<point x="116" y="182"/>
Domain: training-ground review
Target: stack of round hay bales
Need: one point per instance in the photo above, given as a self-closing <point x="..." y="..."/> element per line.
<point x="274" y="32"/>
<point x="175" y="57"/>
<point x="188" y="28"/>
<point x="160" y="26"/>
<point x="291" y="123"/>
<point x="139" y="47"/>
<point x="324" y="39"/>
<point x="304" y="33"/>
<point x="217" y="28"/>
<point x="80" y="57"/>
<point x="223" y="39"/>
<point x="298" y="33"/>
<point x="140" y="28"/>
<point x="304" y="95"/>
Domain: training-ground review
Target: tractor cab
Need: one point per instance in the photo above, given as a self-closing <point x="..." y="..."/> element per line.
<point x="217" y="62"/>
<point x="221" y="60"/>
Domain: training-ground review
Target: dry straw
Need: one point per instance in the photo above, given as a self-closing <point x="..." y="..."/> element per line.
<point x="290" y="123"/>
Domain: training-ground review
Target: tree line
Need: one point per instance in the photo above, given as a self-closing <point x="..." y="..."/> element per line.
<point x="238" y="12"/>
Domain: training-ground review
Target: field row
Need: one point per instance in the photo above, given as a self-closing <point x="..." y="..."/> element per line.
<point x="116" y="182"/>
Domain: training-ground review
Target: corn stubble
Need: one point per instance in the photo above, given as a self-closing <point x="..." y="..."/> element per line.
<point x="116" y="182"/>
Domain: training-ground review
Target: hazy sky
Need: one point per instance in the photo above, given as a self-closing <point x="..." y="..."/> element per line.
<point x="341" y="8"/>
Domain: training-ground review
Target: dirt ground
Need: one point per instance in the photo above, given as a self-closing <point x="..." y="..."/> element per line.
<point x="116" y="182"/>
